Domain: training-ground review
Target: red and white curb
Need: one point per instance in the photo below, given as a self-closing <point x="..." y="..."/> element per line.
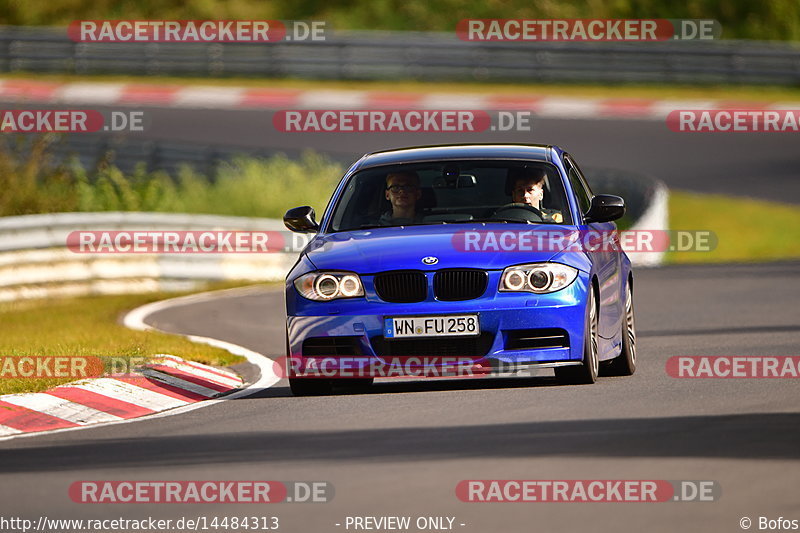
<point x="164" y="383"/>
<point x="168" y="385"/>
<point x="210" y="97"/>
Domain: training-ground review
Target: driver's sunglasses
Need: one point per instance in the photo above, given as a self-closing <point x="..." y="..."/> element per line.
<point x="398" y="188"/>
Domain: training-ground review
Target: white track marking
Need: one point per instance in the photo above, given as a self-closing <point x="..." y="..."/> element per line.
<point x="332" y="99"/>
<point x="95" y="93"/>
<point x="568" y="107"/>
<point x="455" y="101"/>
<point x="209" y="97"/>
<point x="7" y="431"/>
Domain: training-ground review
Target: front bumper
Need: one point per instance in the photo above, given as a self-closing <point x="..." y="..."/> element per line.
<point x="502" y="317"/>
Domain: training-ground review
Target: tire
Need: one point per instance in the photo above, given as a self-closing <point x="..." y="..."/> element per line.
<point x="310" y="386"/>
<point x="305" y="386"/>
<point x="586" y="373"/>
<point x="625" y="363"/>
<point x="355" y="384"/>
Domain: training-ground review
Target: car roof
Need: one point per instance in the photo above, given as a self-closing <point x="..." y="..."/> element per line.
<point x="416" y="154"/>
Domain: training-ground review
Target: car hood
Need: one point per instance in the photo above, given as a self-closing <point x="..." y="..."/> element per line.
<point x="453" y="245"/>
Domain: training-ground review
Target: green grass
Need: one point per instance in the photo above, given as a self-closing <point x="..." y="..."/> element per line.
<point x="746" y="229"/>
<point x="768" y="19"/>
<point x="737" y="93"/>
<point x="88" y="326"/>
<point x="245" y="186"/>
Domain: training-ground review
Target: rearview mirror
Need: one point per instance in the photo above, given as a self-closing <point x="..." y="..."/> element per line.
<point x="301" y="219"/>
<point x="462" y="181"/>
<point x="605" y="208"/>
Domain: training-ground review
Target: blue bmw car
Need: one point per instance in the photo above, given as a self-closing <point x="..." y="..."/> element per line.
<point x="459" y="257"/>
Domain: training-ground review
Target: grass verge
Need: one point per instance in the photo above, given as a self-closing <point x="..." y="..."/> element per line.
<point x="89" y="326"/>
<point x="746" y="229"/>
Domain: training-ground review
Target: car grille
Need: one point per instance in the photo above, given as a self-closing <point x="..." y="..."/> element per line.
<point x="401" y="286"/>
<point x="477" y="346"/>
<point x="455" y="285"/>
<point x="448" y="285"/>
<point x="536" y="339"/>
<point x="332" y="346"/>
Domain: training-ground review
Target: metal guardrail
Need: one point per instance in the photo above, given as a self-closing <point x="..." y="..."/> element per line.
<point x="372" y="55"/>
<point x="35" y="261"/>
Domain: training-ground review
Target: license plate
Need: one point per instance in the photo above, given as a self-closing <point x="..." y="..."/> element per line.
<point x="431" y="326"/>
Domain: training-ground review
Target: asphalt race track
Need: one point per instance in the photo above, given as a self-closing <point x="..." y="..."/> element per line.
<point x="401" y="449"/>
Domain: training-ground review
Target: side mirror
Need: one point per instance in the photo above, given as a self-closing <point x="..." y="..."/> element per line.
<point x="605" y="208"/>
<point x="301" y="219"/>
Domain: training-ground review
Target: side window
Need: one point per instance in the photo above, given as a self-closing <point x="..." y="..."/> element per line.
<point x="581" y="177"/>
<point x="578" y="185"/>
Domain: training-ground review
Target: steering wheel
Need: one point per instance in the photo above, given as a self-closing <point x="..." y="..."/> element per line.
<point x="523" y="212"/>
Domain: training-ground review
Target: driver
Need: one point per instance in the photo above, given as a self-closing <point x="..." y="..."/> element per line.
<point x="528" y="188"/>
<point x="402" y="191"/>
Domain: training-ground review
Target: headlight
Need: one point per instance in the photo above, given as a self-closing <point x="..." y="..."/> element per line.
<point x="537" y="277"/>
<point x="325" y="286"/>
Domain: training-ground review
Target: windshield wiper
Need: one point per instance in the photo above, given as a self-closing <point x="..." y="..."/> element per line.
<point x="504" y="220"/>
<point x="372" y="226"/>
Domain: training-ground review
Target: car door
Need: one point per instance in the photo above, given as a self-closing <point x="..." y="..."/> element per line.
<point x="606" y="261"/>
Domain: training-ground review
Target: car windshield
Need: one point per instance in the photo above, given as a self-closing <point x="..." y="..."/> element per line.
<point x="452" y="192"/>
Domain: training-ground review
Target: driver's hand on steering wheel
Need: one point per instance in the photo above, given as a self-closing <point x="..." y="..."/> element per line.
<point x="521" y="211"/>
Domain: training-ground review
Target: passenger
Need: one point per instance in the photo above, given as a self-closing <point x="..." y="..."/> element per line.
<point x="403" y="191"/>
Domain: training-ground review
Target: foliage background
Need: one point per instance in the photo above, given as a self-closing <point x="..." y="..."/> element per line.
<point x="740" y="19"/>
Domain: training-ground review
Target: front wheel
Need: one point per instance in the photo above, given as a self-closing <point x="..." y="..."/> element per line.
<point x="310" y="386"/>
<point x="625" y="363"/>
<point x="587" y="372"/>
<point x="356" y="384"/>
